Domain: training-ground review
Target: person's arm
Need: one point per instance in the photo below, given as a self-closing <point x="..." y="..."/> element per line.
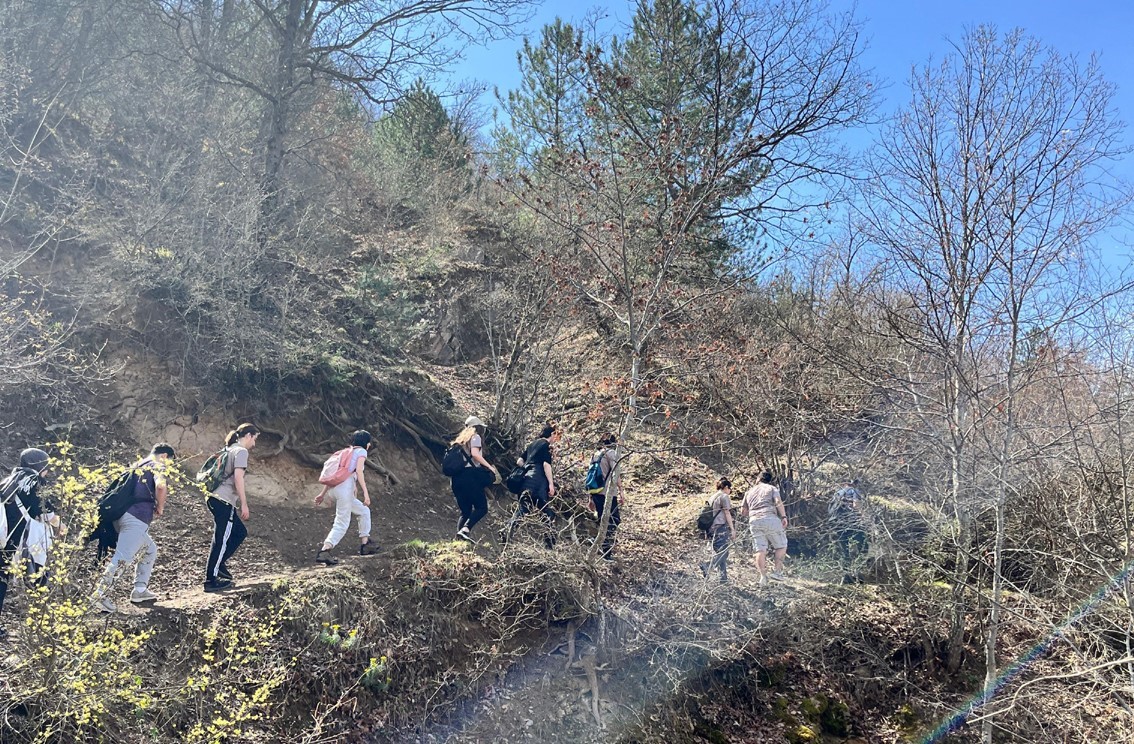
<point x="550" y="479"/>
<point x="781" y="509"/>
<point x="238" y="482"/>
<point x="744" y="506"/>
<point x="728" y="516"/>
<point x="322" y="493"/>
<point x="360" y="473"/>
<point x="478" y="457"/>
<point x="161" y="492"/>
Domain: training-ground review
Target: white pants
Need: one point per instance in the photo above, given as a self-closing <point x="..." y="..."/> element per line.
<point x="345" y="505"/>
<point x="133" y="538"/>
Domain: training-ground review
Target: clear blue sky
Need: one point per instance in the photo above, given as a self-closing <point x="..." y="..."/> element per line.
<point x="903" y="33"/>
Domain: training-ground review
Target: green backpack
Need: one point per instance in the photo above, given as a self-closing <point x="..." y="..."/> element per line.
<point x="215" y="470"/>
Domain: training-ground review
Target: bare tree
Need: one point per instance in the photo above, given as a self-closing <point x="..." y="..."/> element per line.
<point x="372" y="48"/>
<point x="699" y="124"/>
<point x="982" y="199"/>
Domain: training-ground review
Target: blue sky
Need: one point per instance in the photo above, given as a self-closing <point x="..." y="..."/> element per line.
<point x="904" y="33"/>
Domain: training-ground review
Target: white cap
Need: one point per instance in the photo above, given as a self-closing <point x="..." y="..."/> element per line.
<point x="474" y="421"/>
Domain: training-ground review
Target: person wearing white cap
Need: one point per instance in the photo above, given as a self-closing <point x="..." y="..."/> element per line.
<point x="469" y="484"/>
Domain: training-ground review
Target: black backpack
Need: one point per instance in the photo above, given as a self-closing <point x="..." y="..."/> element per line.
<point x="116" y="500"/>
<point x="705" y="518"/>
<point x="454" y="461"/>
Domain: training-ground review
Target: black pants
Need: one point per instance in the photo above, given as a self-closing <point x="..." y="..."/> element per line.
<point x="16" y="527"/>
<point x="722" y="539"/>
<point x="468" y="490"/>
<point x="228" y="532"/>
<point x="534" y="498"/>
<point x="599" y="500"/>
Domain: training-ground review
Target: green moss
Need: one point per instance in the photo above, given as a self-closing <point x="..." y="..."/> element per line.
<point x="836" y="719"/>
<point x="814" y="707"/>
<point x="802" y="734"/>
<point x="906" y="718"/>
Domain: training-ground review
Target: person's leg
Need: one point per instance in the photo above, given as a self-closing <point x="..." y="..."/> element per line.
<point x="222" y="534"/>
<point x="342" y="518"/>
<point x="523" y="507"/>
<point x="547" y="516"/>
<point x="611" y="528"/>
<point x="362" y="511"/>
<point x="760" y="546"/>
<point x="132" y="538"/>
<point x="146" y="565"/>
<point x="721" y="542"/>
<point x="463" y="502"/>
<point x="239" y="532"/>
<point x="7" y="551"/>
<point x="478" y="507"/>
<point x="780" y="553"/>
<point x="777" y="538"/>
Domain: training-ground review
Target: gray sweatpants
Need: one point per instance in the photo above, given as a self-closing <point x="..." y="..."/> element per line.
<point x="133" y="538"/>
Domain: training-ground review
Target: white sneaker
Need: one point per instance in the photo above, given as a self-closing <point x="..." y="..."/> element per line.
<point x="105" y="604"/>
<point x="463" y="533"/>
<point x="142" y="595"/>
<point x="777" y="576"/>
<point x="763" y="580"/>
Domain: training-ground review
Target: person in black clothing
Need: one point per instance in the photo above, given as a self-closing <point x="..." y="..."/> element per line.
<point x="606" y="458"/>
<point x="539" y="484"/>
<point x="20" y="495"/>
<point x="477" y="475"/>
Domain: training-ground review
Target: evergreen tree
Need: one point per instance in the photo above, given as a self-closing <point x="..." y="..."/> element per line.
<point x="546" y="114"/>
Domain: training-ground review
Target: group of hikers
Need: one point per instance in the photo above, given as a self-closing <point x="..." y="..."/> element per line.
<point x="763" y="506"/>
<point x="28" y="519"/>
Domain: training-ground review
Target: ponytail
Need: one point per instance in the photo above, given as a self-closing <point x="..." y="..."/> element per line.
<point x="240" y="431"/>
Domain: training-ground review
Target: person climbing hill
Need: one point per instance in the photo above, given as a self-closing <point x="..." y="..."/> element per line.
<point x="475" y="475"/>
<point x="230" y="495"/>
<point x="539" y="484"/>
<point x="133" y="529"/>
<point x="22" y="503"/>
<point x="767" y="521"/>
<point x="721" y="531"/>
<point x="601" y="495"/>
<point x="346" y="503"/>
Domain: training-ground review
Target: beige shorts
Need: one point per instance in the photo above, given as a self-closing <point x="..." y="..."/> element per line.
<point x="768" y="531"/>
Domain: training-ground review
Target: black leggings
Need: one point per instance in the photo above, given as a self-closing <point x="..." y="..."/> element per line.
<point x="228" y="532"/>
<point x="599" y="500"/>
<point x="533" y="499"/>
<point x="468" y="490"/>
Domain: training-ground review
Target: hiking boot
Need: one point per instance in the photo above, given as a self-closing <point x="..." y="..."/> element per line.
<point x="777" y="576"/>
<point x="222" y="572"/>
<point x="325" y="558"/>
<point x="105" y="604"/>
<point x="3" y="635"/>
<point x="138" y="596"/>
<point x="217" y="585"/>
<point x="368" y="548"/>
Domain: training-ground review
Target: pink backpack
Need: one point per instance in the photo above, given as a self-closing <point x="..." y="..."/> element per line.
<point x="337" y="468"/>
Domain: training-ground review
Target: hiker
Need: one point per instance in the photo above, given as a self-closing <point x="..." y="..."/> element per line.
<point x="606" y="459"/>
<point x="346" y="503"/>
<point x="767" y="521"/>
<point x="22" y="504"/>
<point x="229" y="497"/>
<point x="721" y="530"/>
<point x="539" y="484"/>
<point x="846" y="516"/>
<point x="470" y="481"/>
<point x="133" y="529"/>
